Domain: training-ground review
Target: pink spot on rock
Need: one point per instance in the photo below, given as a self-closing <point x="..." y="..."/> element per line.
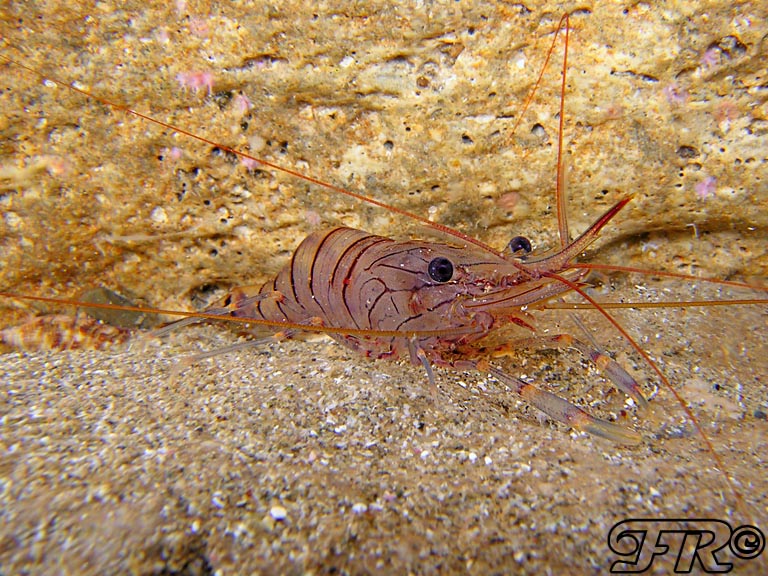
<point x="711" y="58"/>
<point x="56" y="165"/>
<point x="508" y="201"/>
<point x="199" y="27"/>
<point x="313" y="218"/>
<point x="674" y="94"/>
<point x="706" y="188"/>
<point x="162" y="35"/>
<point x="173" y="154"/>
<point x="196" y="80"/>
<point x="725" y="113"/>
<point x="242" y="104"/>
<point x="249" y="163"/>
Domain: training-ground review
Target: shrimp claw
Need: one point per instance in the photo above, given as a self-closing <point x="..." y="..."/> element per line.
<point x="563" y="411"/>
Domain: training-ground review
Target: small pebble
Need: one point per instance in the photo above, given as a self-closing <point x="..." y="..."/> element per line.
<point x="278" y="513"/>
<point x="359" y="508"/>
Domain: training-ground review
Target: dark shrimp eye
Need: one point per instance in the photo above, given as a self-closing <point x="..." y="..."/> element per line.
<point x="440" y="269"/>
<point x="520" y="243"/>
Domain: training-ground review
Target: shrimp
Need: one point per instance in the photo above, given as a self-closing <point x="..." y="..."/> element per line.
<point x="114" y="244"/>
<point x="344" y="277"/>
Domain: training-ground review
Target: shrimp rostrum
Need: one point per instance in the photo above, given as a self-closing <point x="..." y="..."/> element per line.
<point x="431" y="303"/>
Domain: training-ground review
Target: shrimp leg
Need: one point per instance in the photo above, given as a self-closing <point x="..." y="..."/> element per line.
<point x="561" y="410"/>
<point x="604" y="363"/>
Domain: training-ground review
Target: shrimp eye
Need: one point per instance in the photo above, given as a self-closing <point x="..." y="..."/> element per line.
<point x="520" y="243"/>
<point x="440" y="269"/>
